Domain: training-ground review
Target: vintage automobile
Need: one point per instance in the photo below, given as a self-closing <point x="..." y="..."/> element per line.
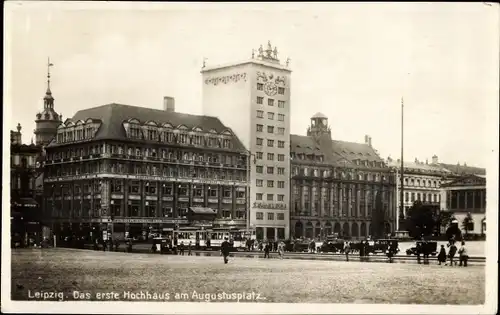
<point x="427" y="247"/>
<point x="384" y="245"/>
<point x="336" y="246"/>
<point x="161" y="245"/>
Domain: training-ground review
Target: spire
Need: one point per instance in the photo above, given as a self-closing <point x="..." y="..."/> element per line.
<point x="48" y="99"/>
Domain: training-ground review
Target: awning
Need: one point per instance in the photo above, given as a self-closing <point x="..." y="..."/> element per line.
<point x="201" y="210"/>
<point x="25" y="202"/>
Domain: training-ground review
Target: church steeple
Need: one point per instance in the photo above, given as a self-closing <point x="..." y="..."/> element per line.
<point x="48" y="120"/>
<point x="48" y="100"/>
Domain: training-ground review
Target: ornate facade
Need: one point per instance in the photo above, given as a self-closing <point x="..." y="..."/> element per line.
<point x="337" y="186"/>
<point x="134" y="170"/>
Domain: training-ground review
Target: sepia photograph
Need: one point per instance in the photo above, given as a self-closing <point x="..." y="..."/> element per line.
<point x="245" y="158"/>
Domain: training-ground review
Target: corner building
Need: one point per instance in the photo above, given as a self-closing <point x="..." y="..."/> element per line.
<point x="253" y="98"/>
<point x="339" y="187"/>
<point x="134" y="170"/>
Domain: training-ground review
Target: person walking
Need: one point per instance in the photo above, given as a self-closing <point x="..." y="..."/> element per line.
<point x="452" y="252"/>
<point x="190" y="245"/>
<point x="281" y="249"/>
<point x="362" y="250"/>
<point x="181" y="248"/>
<point x="347" y="249"/>
<point x="224" y="248"/>
<point x="266" y="250"/>
<point x="463" y="255"/>
<point x="442" y="255"/>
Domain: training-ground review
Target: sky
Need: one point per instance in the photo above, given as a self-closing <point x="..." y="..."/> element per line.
<point x="351" y="61"/>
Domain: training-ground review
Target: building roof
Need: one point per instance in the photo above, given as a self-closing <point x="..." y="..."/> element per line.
<point x="418" y="166"/>
<point x="337" y="152"/>
<point x="319" y="115"/>
<point x="463" y="169"/>
<point x="113" y="115"/>
<point x="466" y="180"/>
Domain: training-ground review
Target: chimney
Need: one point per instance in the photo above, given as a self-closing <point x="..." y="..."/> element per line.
<point x="435" y="159"/>
<point x="416" y="160"/>
<point x="370" y="141"/>
<point x="389" y="159"/>
<point x="367" y="139"/>
<point x="169" y="104"/>
<point x="426" y="161"/>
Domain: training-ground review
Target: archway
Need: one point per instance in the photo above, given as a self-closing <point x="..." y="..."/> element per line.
<point x="363" y="229"/>
<point x="336" y="228"/>
<point x="298" y="229"/>
<point x="354" y="230"/>
<point x="345" y="229"/>
<point x="318" y="230"/>
<point x="328" y="229"/>
<point x="309" y="230"/>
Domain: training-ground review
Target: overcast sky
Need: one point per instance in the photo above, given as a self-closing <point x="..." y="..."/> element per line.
<point x="352" y="62"/>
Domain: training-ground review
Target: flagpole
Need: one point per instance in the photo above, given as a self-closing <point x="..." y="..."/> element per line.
<point x="401" y="196"/>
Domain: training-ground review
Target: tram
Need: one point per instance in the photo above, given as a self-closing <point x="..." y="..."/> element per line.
<point x="211" y="239"/>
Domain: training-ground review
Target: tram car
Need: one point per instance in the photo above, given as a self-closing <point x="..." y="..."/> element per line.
<point x="211" y="239"/>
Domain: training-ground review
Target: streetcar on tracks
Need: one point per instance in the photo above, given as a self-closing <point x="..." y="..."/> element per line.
<point x="211" y="239"/>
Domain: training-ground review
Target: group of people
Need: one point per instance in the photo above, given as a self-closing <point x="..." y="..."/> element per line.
<point x="463" y="255"/>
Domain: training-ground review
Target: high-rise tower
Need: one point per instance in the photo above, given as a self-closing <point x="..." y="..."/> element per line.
<point x="253" y="98"/>
<point x="48" y="120"/>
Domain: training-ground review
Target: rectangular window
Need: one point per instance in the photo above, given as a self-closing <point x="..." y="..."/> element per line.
<point x="260" y="100"/>
<point x="270" y="115"/>
<point x="281" y="197"/>
<point x="260" y="87"/>
<point x="281" y="144"/>
<point x="281" y="216"/>
<point x="259" y="215"/>
<point x="281" y="157"/>
<point x="270" y="156"/>
<point x="270" y="129"/>
<point x="258" y="196"/>
<point x="270" y="170"/>
<point x="270" y="143"/>
<point x="281" y="131"/>
<point x="270" y="216"/>
<point x="259" y="182"/>
<point x="281" y="171"/>
<point x="260" y="141"/>
<point x="281" y="184"/>
<point x="258" y="155"/>
<point x="259" y="169"/>
<point x="270" y="197"/>
<point x="270" y="102"/>
<point x="270" y="183"/>
<point x="260" y="114"/>
<point x="281" y="104"/>
<point x="260" y="128"/>
<point x="281" y="91"/>
<point x="281" y="117"/>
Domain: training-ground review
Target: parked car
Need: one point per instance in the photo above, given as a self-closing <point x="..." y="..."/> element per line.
<point x="429" y="247"/>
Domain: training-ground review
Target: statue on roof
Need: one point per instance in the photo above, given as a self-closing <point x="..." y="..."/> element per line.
<point x="269" y="50"/>
<point x="275" y="52"/>
<point x="261" y="51"/>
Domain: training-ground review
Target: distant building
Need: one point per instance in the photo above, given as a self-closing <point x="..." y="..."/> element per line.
<point x="336" y="184"/>
<point x="423" y="181"/>
<point x="253" y="98"/>
<point x="134" y="170"/>
<point x="25" y="197"/>
<point x="465" y="196"/>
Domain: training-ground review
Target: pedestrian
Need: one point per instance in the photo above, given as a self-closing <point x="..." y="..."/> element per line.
<point x="362" y="251"/>
<point x="189" y="249"/>
<point x="419" y="251"/>
<point x="451" y="253"/>
<point x="281" y="249"/>
<point x="464" y="255"/>
<point x="347" y="249"/>
<point x="425" y="251"/>
<point x="224" y="248"/>
<point x="181" y="248"/>
<point x="266" y="250"/>
<point x="442" y="255"/>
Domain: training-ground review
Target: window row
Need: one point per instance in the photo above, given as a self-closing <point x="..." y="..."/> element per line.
<point x="269" y="197"/>
<point x="348" y="174"/>
<point x="260" y="87"/>
<point x="270" y="183"/>
<point x="270" y="115"/>
<point x="270" y="156"/>
<point x="270" y="129"/>
<point x="269" y="170"/>
<point x="422" y="197"/>
<point x="145" y="169"/>
<point x="421" y="182"/>
<point x="270" y="143"/>
<point x="270" y="216"/>
<point x="75" y="135"/>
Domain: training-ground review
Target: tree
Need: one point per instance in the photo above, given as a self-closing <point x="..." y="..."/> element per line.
<point x="468" y="223"/>
<point x="443" y="220"/>
<point x="420" y="220"/>
<point x="379" y="218"/>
